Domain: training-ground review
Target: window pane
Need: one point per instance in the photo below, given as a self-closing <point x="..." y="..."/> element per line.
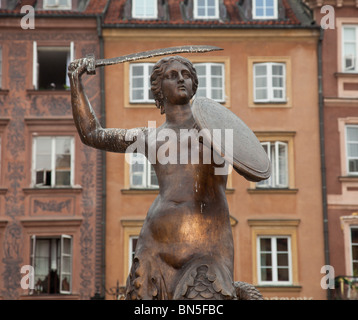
<point x="137" y="94"/>
<point x="63" y="145"/>
<point x="355" y="252"/>
<point x="137" y="83"/>
<point x="282" y="274"/>
<point x="282" y="259"/>
<point x="265" y="244"/>
<point x="266" y="259"/>
<point x="352" y="133"/>
<point x="261" y="82"/>
<point x="43" y="145"/>
<point x="353" y="166"/>
<point x="354" y="235"/>
<point x="349" y="34"/>
<point x="63" y="178"/>
<point x="260" y="70"/>
<point x="261" y="94"/>
<point x="137" y="71"/>
<point x="266" y="274"/>
<point x="282" y="244"/>
<point x="353" y="150"/>
<point x="43" y="162"/>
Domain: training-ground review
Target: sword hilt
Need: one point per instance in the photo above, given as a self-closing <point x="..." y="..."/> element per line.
<point x="91" y="67"/>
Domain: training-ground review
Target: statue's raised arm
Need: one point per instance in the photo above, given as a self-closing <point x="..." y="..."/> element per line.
<point x="87" y="124"/>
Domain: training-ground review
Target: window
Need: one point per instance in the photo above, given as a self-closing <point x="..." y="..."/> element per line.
<point x="132" y="245"/>
<point x="352" y="148"/>
<point x="142" y="174"/>
<point x="278" y="154"/>
<point x="269" y="82"/>
<point x="144" y="9"/>
<point x="211" y="78"/>
<point x="53" y="161"/>
<point x="57" y="4"/>
<point x="354" y="242"/>
<point x="350" y="48"/>
<point x="52" y="261"/>
<point x="274" y="259"/>
<point x="50" y="67"/>
<point x="264" y="9"/>
<point x="140" y="91"/>
<point x="206" y="9"/>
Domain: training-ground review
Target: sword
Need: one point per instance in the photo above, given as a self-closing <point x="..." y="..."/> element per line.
<point x="93" y="63"/>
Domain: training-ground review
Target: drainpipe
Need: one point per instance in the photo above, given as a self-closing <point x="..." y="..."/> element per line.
<point x="323" y="160"/>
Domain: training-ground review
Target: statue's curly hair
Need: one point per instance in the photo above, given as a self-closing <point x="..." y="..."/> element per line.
<point x="157" y="76"/>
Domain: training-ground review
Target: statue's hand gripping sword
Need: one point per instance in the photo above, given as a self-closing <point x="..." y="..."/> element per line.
<point x="93" y="64"/>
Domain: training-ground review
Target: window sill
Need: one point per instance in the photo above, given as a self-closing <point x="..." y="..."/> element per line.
<point x="4" y="92"/>
<point x="278" y="288"/>
<point x="272" y="190"/>
<point x="32" y="92"/>
<point x="71" y="190"/>
<point x="50" y="297"/>
<point x="140" y="191"/>
<point x="346" y="74"/>
<point x="352" y="178"/>
<point x="3" y="190"/>
<point x="270" y="104"/>
<point x="156" y="191"/>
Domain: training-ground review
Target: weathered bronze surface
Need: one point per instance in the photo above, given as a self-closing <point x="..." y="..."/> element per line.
<point x="245" y="153"/>
<point x="185" y="248"/>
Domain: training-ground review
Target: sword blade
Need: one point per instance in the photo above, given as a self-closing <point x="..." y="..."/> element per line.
<point x="155" y="53"/>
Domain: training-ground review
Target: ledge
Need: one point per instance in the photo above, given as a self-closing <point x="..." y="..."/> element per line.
<point x="348" y="179"/>
<point x="3" y="190"/>
<point x="346" y="75"/>
<point x="272" y="191"/>
<point x="50" y="297"/>
<point x="140" y="191"/>
<point x="4" y="92"/>
<point x="77" y="189"/>
<point x="156" y="191"/>
<point x="54" y="222"/>
<point x="32" y="92"/>
<point x="288" y="288"/>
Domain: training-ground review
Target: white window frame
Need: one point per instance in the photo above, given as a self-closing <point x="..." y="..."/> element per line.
<point x="269" y="82"/>
<point x="146" y="15"/>
<point x="209" y="79"/>
<point x="264" y="17"/>
<point x="64" y="255"/>
<point x="354" y="59"/>
<point x="205" y="16"/>
<point x="355" y="142"/>
<point x="61" y="273"/>
<point x="351" y="247"/>
<point x="275" y="267"/>
<point x="146" y="83"/>
<point x="36" y="66"/>
<point x="131" y="250"/>
<point x="145" y="174"/>
<point x="57" y="5"/>
<point x="274" y="180"/>
<point x="53" y="163"/>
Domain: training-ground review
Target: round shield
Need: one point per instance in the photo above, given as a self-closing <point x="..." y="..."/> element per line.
<point x="232" y="139"/>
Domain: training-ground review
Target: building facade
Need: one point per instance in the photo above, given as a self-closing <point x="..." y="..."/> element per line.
<point x="340" y="109"/>
<point x="51" y="208"/>
<point x="267" y="74"/>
